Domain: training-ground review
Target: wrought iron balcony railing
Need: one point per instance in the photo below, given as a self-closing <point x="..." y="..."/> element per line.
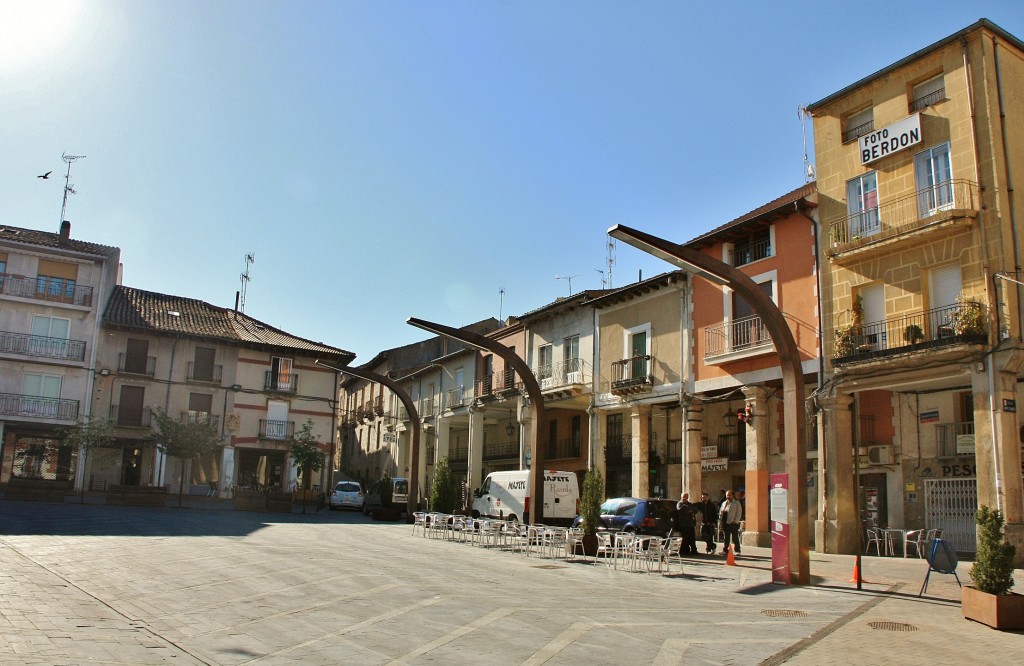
<point x="15" y="404"/>
<point x="632" y="373"/>
<point x="42" y="347"/>
<point x="497" y="383"/>
<point x="854" y="133"/>
<point x="283" y="382"/>
<point x="205" y="373"/>
<point x="746" y="253"/>
<point x="131" y="364"/>
<point x="954" y="440"/>
<point x="501" y="451"/>
<point x="131" y="418"/>
<point x="735" y="336"/>
<point x="570" y="372"/>
<point x="193" y="416"/>
<point x="45" y="288"/>
<point x="901" y="215"/>
<point x="271" y="429"/>
<point x="925" y="101"/>
<point x="938" y="327"/>
<point x="455" y="397"/>
<point x="564" y="448"/>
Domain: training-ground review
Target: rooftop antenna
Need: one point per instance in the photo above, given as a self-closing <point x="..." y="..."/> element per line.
<point x="609" y="261"/>
<point x="569" y="278"/>
<point x="250" y="259"/>
<point x="501" y="301"/>
<point x="68" y="187"/>
<point x="802" y="112"/>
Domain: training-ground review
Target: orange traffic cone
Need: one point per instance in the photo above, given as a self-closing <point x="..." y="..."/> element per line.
<point x="730" y="558"/>
<point x="856" y="573"/>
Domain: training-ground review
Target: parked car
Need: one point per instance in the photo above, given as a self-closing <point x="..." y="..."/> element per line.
<point x="347" y="495"/>
<point x="399" y="496"/>
<point x="633" y="514"/>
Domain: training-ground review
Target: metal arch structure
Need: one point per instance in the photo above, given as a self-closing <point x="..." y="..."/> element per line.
<point x="722" y="273"/>
<point x="414" y="416"/>
<point x="532" y="391"/>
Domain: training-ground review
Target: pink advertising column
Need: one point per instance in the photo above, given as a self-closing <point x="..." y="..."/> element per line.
<point x="778" y="502"/>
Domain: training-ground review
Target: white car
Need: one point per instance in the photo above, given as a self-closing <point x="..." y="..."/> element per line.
<point x="347" y="495"/>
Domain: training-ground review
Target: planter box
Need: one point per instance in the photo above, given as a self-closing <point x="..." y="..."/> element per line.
<point x="279" y="502"/>
<point x="249" y="501"/>
<point x="137" y="495"/>
<point x="387" y="514"/>
<point x="999" y="611"/>
<point x="39" y="490"/>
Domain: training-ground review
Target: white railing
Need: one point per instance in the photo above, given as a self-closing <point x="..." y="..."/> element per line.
<point x="733" y="336"/>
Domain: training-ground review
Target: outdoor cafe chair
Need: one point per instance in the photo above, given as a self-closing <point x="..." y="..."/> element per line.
<point x="419" y="522"/>
<point x="670" y="550"/>
<point x="914" y="538"/>
<point x="606" y="548"/>
<point x="874" y="538"/>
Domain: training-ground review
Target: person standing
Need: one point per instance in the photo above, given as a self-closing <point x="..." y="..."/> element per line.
<point x="684" y="522"/>
<point x="731" y="514"/>
<point x="708" y="513"/>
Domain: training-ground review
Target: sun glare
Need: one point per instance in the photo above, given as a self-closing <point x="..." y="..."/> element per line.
<point x="32" y="31"/>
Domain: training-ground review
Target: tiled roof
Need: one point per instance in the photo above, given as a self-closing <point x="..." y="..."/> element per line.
<point x="630" y="291"/>
<point x="48" y="239"/>
<point x="162" y="313"/>
<point x="802" y="192"/>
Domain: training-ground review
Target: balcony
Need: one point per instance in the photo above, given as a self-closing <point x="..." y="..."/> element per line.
<point x="281" y="382"/>
<point x="427" y="407"/>
<point x="944" y="202"/>
<point x="618" y="449"/>
<point x="14" y="404"/>
<point x="498" y="384"/>
<point x="632" y="375"/>
<point x="502" y="451"/>
<point x="936" y="328"/>
<point x="44" y="288"/>
<point x="41" y="347"/>
<point x="564" y="448"/>
<point x="131" y="418"/>
<point x="854" y="133"/>
<point x="570" y="376"/>
<point x="732" y="337"/>
<point x="131" y="364"/>
<point x="749" y="252"/>
<point x="193" y="416"/>
<point x="954" y="440"/>
<point x="270" y="429"/>
<point x="205" y="373"/>
<point x="455" y="397"/>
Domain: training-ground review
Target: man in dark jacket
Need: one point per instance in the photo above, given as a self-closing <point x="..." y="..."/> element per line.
<point x="684" y="522"/>
<point x="709" y="519"/>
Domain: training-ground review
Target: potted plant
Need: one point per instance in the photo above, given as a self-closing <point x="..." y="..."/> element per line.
<point x="990" y="601"/>
<point x="913" y="334"/>
<point x="848" y="338"/>
<point x="590" y="510"/>
<point x="968" y="319"/>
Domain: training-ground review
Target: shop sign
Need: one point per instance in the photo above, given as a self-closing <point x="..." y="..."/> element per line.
<point x="714" y="465"/>
<point x="710" y="451"/>
<point x="890" y="139"/>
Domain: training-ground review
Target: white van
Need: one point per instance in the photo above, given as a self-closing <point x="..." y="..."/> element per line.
<point x="505" y="495"/>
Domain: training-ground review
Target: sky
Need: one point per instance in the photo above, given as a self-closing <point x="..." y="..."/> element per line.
<point x="446" y="160"/>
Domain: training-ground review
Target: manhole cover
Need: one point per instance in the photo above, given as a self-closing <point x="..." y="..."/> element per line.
<point x="548" y="566"/>
<point x="775" y="612"/>
<point x="892" y="626"/>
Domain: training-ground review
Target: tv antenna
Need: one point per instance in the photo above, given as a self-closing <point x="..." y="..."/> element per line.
<point x="802" y="112"/>
<point x="501" y="301"/>
<point x="68" y="187"/>
<point x="569" y="278"/>
<point x="250" y="259"/>
<point x="609" y="261"/>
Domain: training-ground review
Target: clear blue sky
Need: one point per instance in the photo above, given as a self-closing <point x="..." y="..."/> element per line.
<point x="387" y="159"/>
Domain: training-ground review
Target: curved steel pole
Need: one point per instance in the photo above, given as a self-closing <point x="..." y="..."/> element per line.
<point x="532" y="391"/>
<point x="722" y="273"/>
<point x="414" y="450"/>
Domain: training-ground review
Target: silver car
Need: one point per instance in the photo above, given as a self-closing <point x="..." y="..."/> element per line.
<point x="347" y="495"/>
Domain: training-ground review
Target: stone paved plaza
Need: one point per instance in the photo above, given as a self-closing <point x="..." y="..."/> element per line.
<point x="205" y="585"/>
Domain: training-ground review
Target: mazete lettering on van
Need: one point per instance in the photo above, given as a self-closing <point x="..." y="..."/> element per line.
<point x="517" y="485"/>
<point x="563" y="479"/>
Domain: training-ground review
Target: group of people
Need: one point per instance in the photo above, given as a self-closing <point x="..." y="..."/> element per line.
<point x="727" y="514"/>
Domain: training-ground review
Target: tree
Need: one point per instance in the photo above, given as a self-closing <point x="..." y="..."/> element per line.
<point x="444" y="494"/>
<point x="97" y="433"/>
<point x="306" y="453"/>
<point x="590" y="503"/>
<point x="992" y="571"/>
<point x="185" y="439"/>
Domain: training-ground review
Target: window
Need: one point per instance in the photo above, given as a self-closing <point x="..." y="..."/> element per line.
<point x="136" y="357"/>
<point x="130" y="408"/>
<point x="281" y="376"/>
<point x="41" y="394"/>
<point x="200" y="403"/>
<point x="571" y="358"/>
<point x="202" y="365"/>
<point x="872" y="299"/>
<point x="56" y="279"/>
<point x="544" y="362"/>
<point x="862" y="205"/>
<point x="747" y="329"/>
<point x="576" y="435"/>
<point x="552" y="439"/>
<point x="638" y="353"/>
<point x="858" y="124"/>
<point x="927" y="93"/>
<point x="753" y="248"/>
<point x="49" y="336"/>
<point x="934" y="175"/>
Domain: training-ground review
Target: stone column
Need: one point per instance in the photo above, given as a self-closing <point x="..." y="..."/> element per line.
<point x="476" y="448"/>
<point x="693" y="439"/>
<point x="441" y="444"/>
<point x="641" y="425"/>
<point x="838" y="528"/>
<point x="757" y="530"/>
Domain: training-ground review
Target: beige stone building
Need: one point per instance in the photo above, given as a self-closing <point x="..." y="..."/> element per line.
<point x="921" y="292"/>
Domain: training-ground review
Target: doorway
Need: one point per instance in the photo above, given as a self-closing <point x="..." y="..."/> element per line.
<point x="874" y="505"/>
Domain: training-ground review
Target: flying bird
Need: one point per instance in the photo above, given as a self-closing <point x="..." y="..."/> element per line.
<point x="45" y="175"/>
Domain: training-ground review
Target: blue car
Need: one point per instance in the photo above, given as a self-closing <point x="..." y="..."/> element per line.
<point x="633" y="514"/>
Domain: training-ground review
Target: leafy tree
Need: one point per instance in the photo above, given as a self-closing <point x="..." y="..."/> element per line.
<point x="590" y="503"/>
<point x="306" y="453"/>
<point x="185" y="439"/>
<point x="96" y="433"/>
<point x="444" y="494"/>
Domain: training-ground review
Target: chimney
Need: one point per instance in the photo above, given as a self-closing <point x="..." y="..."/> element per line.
<point x="65" y="230"/>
